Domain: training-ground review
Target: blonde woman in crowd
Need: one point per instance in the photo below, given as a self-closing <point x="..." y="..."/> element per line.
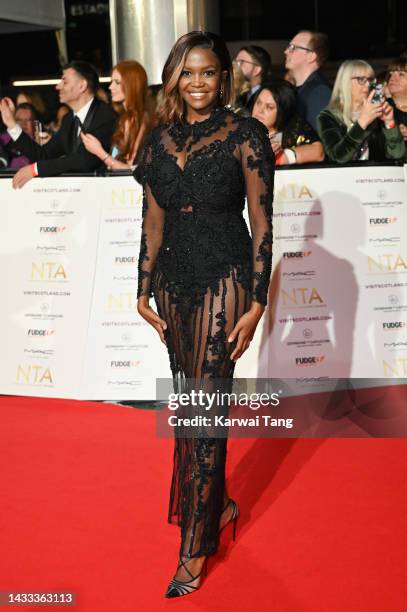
<point x="358" y="123"/>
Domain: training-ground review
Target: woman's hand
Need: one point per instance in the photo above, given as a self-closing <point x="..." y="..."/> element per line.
<point x="244" y="330"/>
<point x="92" y="144"/>
<point x="145" y="310"/>
<point x="277" y="148"/>
<point x="370" y="111"/>
<point x="387" y="115"/>
<point x="7" y="110"/>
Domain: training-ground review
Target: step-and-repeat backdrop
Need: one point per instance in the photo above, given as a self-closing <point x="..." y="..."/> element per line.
<point x="68" y="259"/>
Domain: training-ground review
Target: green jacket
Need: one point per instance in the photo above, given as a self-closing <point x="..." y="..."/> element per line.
<point x="342" y="145"/>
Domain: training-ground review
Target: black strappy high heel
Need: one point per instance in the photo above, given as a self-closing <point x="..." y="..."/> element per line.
<point x="234" y="516"/>
<point x="178" y="588"/>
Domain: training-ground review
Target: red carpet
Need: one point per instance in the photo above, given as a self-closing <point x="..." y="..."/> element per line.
<point x="84" y="490"/>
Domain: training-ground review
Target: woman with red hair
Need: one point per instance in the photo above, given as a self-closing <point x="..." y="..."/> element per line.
<point x="129" y="95"/>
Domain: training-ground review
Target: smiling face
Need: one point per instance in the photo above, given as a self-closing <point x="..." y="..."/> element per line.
<point x="200" y="82"/>
<point x="265" y="109"/>
<point x="116" y="87"/>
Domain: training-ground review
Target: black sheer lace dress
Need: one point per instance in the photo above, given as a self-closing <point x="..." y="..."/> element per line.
<point x="199" y="262"/>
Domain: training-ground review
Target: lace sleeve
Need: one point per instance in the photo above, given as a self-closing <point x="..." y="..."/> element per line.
<point x="258" y="170"/>
<point x="152" y="226"/>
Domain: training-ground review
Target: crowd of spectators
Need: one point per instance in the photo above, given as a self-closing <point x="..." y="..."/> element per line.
<point x="361" y="118"/>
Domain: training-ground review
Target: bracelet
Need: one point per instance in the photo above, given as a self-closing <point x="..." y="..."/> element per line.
<point x="291" y="156"/>
<point x="105" y="158"/>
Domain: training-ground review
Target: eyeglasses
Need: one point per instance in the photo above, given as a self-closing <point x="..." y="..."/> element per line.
<point x="364" y="80"/>
<point x="292" y="47"/>
<point x="242" y="61"/>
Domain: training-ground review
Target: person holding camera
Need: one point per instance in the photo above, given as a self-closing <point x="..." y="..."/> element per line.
<point x="358" y="123"/>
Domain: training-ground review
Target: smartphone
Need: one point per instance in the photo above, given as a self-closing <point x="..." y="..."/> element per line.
<point x="378" y="95"/>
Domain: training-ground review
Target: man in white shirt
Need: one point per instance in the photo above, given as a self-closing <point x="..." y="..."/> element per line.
<point x="65" y="151"/>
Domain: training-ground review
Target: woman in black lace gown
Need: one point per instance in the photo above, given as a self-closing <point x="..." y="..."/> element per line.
<point x="208" y="277"/>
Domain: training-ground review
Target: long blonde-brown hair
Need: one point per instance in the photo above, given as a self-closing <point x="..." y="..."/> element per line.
<point x="132" y="112"/>
<point x="341" y="100"/>
<point x="172" y="106"/>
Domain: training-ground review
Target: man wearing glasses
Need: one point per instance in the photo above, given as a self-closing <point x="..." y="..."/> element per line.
<point x="304" y="56"/>
<point x="255" y="64"/>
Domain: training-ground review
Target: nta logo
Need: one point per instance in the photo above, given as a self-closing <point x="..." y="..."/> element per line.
<point x="393" y="262"/>
<point x="48" y="270"/>
<point x="34" y="374"/>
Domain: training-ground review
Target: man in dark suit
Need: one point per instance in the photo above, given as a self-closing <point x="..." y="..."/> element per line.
<point x="304" y="56"/>
<point x="255" y="64"/>
<point x="65" y="151"/>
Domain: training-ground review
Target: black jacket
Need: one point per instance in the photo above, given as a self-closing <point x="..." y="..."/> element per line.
<point x="60" y="154"/>
<point x="313" y="95"/>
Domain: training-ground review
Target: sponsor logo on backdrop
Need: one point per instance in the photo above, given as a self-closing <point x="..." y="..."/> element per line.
<point x="126" y="198"/>
<point x="380" y="221"/>
<point x="40" y="332"/>
<point x="395" y="368"/>
<point x="124" y="364"/>
<point x="296" y="254"/>
<point x="388" y="325"/>
<point x="305" y="319"/>
<point x="295" y="192"/>
<point x="381" y="195"/>
<point x="301" y="297"/>
<point x="393" y="304"/>
<point x="297" y="213"/>
<point x="295" y="235"/>
<point x="54" y="208"/>
<point x="125" y="383"/>
<point x="308" y="341"/>
<point x="34" y="374"/>
<point x="130" y="259"/>
<point x="299" y="275"/>
<point x="124" y="301"/>
<point x="309" y="361"/>
<point x="395" y="346"/>
<point x="52" y="229"/>
<point x="383" y="242"/>
<point x="39" y="353"/>
<point x="126" y="278"/>
<point x="389" y="263"/>
<point x="48" y="271"/>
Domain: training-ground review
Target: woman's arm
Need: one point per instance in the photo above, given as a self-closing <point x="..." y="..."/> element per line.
<point x="257" y="160"/>
<point x="150" y="243"/>
<point x="306" y="154"/>
<point x="393" y="137"/>
<point x="340" y="145"/>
